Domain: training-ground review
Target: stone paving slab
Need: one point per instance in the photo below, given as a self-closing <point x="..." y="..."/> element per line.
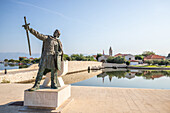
<point x="97" y="99"/>
<point x="118" y="100"/>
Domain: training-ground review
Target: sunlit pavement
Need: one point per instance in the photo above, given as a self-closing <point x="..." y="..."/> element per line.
<point x="97" y="99"/>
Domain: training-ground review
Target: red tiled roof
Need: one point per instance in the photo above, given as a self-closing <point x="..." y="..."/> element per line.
<point x="156" y="76"/>
<point x="154" y="57"/>
<point x="122" y="55"/>
<point x="94" y="56"/>
<point x="22" y="57"/>
<point x="119" y="54"/>
<point x="134" y="61"/>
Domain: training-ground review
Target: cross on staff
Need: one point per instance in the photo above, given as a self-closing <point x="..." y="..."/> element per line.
<point x="27" y="26"/>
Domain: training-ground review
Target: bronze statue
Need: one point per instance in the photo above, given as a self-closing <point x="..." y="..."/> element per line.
<point x="51" y="56"/>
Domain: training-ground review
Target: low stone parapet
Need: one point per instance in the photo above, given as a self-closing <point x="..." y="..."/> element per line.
<point x="111" y="65"/>
<point x="30" y="73"/>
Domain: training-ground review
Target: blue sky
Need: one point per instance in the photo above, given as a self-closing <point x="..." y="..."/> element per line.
<point x="88" y="26"/>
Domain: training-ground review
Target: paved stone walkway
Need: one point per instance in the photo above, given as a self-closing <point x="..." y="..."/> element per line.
<point x="118" y="100"/>
<point x="97" y="99"/>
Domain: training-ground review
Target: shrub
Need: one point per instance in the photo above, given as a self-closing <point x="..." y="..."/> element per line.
<point x="149" y="62"/>
<point x="155" y="62"/>
<point x="6" y="60"/>
<point x="5" y="81"/>
<point x="139" y="57"/>
<point x="80" y="57"/>
<point x="147" y="53"/>
<point x="127" y="63"/>
<point x="11" y="60"/>
<point x="66" y="57"/>
<point x="36" y="60"/>
<point x="116" y="59"/>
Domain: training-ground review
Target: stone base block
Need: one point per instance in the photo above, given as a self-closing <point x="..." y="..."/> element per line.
<point x="38" y="110"/>
<point x="47" y="98"/>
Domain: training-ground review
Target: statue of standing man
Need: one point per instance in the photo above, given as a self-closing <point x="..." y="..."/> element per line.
<point x="51" y="57"/>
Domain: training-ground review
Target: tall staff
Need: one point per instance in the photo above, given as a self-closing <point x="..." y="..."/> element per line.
<point x="27" y="27"/>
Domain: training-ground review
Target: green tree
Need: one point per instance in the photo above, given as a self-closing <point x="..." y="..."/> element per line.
<point x="168" y="55"/>
<point x="139" y="57"/>
<point x="110" y="59"/>
<point x="77" y="57"/>
<point x="118" y="59"/>
<point x="27" y="61"/>
<point x="66" y="57"/>
<point x="17" y="61"/>
<point x="89" y="58"/>
<point x="147" y="53"/>
<point x="98" y="55"/>
<point x="162" y="62"/>
<point x="167" y="62"/>
<point x="6" y="60"/>
<point x="22" y="58"/>
<point x="11" y="60"/>
<point x="37" y="60"/>
<point x="149" y="62"/>
<point x="155" y="62"/>
<point x="127" y="63"/>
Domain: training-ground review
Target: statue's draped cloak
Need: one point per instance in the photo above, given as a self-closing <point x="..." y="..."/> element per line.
<point x="52" y="52"/>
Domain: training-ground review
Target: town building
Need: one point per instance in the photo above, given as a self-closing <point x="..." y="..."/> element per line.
<point x="110" y="51"/>
<point x="134" y="62"/>
<point x="154" y="57"/>
<point x="104" y="57"/>
<point x="127" y="57"/>
<point x="130" y="57"/>
<point x="95" y="56"/>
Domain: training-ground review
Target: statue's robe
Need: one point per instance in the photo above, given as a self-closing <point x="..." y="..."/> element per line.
<point x="52" y="52"/>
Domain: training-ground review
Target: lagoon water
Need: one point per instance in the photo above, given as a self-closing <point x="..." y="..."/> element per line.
<point x="2" y="67"/>
<point x="129" y="79"/>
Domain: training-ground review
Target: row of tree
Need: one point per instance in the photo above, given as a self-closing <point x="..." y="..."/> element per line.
<point x="157" y="62"/>
<point x="73" y="57"/>
<point x="23" y="60"/>
<point x="118" y="59"/>
<point x="78" y="57"/>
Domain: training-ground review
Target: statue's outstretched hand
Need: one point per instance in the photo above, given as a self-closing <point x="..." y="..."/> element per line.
<point x="26" y="27"/>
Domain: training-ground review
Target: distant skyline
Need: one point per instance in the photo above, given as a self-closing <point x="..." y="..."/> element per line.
<point x="88" y="26"/>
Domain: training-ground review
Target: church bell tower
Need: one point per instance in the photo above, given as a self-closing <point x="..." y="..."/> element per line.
<point x="110" y="51"/>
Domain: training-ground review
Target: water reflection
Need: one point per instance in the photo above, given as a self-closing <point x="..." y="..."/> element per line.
<point x="12" y="66"/>
<point x="128" y="78"/>
<point x="130" y="74"/>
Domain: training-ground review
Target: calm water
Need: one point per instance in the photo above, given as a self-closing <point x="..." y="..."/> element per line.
<point x="6" y="66"/>
<point x="130" y="79"/>
<point x="2" y="67"/>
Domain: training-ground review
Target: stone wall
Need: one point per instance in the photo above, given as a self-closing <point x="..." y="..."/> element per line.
<point x="19" y="76"/>
<point x="74" y="66"/>
<point x="110" y="65"/>
<point x="28" y="74"/>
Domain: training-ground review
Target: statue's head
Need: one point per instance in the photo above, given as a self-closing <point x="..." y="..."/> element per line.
<point x="56" y="33"/>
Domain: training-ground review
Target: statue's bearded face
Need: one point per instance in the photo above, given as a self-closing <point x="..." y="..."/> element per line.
<point x="56" y="33"/>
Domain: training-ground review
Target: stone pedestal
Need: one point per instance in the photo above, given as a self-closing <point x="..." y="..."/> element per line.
<point x="46" y="100"/>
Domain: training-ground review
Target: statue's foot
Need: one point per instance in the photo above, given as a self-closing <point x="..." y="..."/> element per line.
<point x="33" y="88"/>
<point x="54" y="87"/>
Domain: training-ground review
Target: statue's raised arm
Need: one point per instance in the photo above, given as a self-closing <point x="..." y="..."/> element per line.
<point x="37" y="34"/>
